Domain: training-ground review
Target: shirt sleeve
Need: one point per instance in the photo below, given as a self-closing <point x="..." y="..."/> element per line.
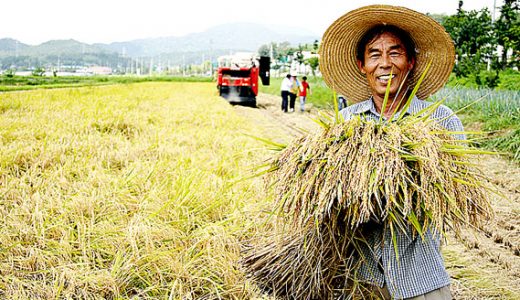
<point x="454" y="124"/>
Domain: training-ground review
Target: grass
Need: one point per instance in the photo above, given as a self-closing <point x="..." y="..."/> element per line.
<point x="508" y="79"/>
<point x="16" y="83"/>
<point x="124" y="191"/>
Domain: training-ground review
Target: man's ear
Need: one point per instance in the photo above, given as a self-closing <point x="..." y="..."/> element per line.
<point x="361" y="66"/>
<point x="411" y="64"/>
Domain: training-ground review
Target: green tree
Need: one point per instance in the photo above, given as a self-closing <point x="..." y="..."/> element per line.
<point x="38" y="71"/>
<point x="280" y="50"/>
<point x="314" y="63"/>
<point x="507" y="29"/>
<point x="9" y="73"/>
<point x="283" y="53"/>
<point x="437" y="17"/>
<point x="265" y="50"/>
<point x="315" y="46"/>
<point x="298" y="54"/>
<point x="475" y="42"/>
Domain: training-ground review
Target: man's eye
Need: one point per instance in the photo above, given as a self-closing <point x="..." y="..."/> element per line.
<point x="395" y="54"/>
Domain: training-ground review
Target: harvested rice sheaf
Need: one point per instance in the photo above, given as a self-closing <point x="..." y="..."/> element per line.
<point x="401" y="172"/>
<point x="408" y="175"/>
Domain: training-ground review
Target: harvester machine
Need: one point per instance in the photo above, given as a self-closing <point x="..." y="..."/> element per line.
<point x="237" y="77"/>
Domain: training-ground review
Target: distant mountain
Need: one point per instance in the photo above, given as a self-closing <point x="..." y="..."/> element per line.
<point x="61" y="47"/>
<point x="188" y="49"/>
<point x="10" y="46"/>
<point x="229" y="37"/>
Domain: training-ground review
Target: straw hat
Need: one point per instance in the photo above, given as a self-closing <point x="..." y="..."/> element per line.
<point x="339" y="45"/>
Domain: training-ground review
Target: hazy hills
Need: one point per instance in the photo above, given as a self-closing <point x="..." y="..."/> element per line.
<point x="190" y="48"/>
<point x="237" y="36"/>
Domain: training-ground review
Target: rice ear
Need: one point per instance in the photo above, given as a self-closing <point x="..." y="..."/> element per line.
<point x="387" y="93"/>
<point x="414" y="91"/>
<point x="336" y="107"/>
<point x="273" y="145"/>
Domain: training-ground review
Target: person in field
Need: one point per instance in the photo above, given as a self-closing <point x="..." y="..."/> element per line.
<point x="293" y="92"/>
<point x="342" y="102"/>
<point x="285" y="88"/>
<point x="361" y="53"/>
<point x="304" y="89"/>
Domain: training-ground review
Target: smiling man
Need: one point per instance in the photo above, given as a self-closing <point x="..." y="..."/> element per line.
<point x="360" y="53"/>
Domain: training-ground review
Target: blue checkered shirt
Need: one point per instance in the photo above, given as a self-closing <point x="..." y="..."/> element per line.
<point x="419" y="268"/>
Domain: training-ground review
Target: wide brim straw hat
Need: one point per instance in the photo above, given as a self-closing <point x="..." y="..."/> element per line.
<point x="338" y="62"/>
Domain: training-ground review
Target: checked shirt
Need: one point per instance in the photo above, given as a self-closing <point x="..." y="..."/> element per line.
<point x="419" y="268"/>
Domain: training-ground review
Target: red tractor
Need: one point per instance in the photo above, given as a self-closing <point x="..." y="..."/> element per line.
<point x="237" y="77"/>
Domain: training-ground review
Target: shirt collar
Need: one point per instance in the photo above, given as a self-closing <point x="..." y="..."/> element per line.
<point x="369" y="106"/>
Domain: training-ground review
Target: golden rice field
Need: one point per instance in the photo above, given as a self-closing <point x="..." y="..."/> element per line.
<point x="135" y="192"/>
<point x="125" y="191"/>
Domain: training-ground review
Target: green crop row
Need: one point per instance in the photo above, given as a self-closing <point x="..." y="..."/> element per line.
<point x="12" y="83"/>
<point x="496" y="113"/>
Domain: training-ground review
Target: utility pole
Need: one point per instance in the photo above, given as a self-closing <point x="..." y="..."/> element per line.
<point x="211" y="56"/>
<point x="492" y="22"/>
<point x="183" y="66"/>
<point x="494" y="9"/>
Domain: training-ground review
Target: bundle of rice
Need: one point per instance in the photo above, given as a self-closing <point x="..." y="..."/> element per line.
<point x="408" y="175"/>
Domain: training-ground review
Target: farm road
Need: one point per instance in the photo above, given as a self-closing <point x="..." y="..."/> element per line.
<point x="484" y="265"/>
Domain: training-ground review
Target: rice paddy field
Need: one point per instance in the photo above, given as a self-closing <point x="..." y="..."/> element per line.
<point x="144" y="191"/>
<point x="125" y="191"/>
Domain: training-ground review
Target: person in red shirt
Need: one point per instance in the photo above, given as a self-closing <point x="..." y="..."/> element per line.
<point x="304" y="87"/>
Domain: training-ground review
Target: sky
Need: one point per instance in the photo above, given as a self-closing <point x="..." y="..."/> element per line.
<point x="104" y="21"/>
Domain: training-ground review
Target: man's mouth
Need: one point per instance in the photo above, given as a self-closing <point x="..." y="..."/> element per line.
<point x="385" y="78"/>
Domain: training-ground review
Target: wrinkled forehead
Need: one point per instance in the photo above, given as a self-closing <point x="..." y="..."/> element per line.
<point x="389" y="33"/>
<point x="388" y="38"/>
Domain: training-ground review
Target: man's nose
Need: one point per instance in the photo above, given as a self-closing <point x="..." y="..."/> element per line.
<point x="386" y="61"/>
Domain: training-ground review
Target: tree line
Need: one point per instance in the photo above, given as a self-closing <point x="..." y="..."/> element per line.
<point x="485" y="44"/>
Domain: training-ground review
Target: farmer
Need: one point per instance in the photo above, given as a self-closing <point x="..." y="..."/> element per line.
<point x="285" y="88"/>
<point x="305" y="89"/>
<point x="360" y="53"/>
<point x="293" y="92"/>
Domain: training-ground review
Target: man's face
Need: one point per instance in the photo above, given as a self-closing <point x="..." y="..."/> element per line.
<point x="384" y="54"/>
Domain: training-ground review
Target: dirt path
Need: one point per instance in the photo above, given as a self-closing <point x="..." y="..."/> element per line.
<point x="484" y="265"/>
